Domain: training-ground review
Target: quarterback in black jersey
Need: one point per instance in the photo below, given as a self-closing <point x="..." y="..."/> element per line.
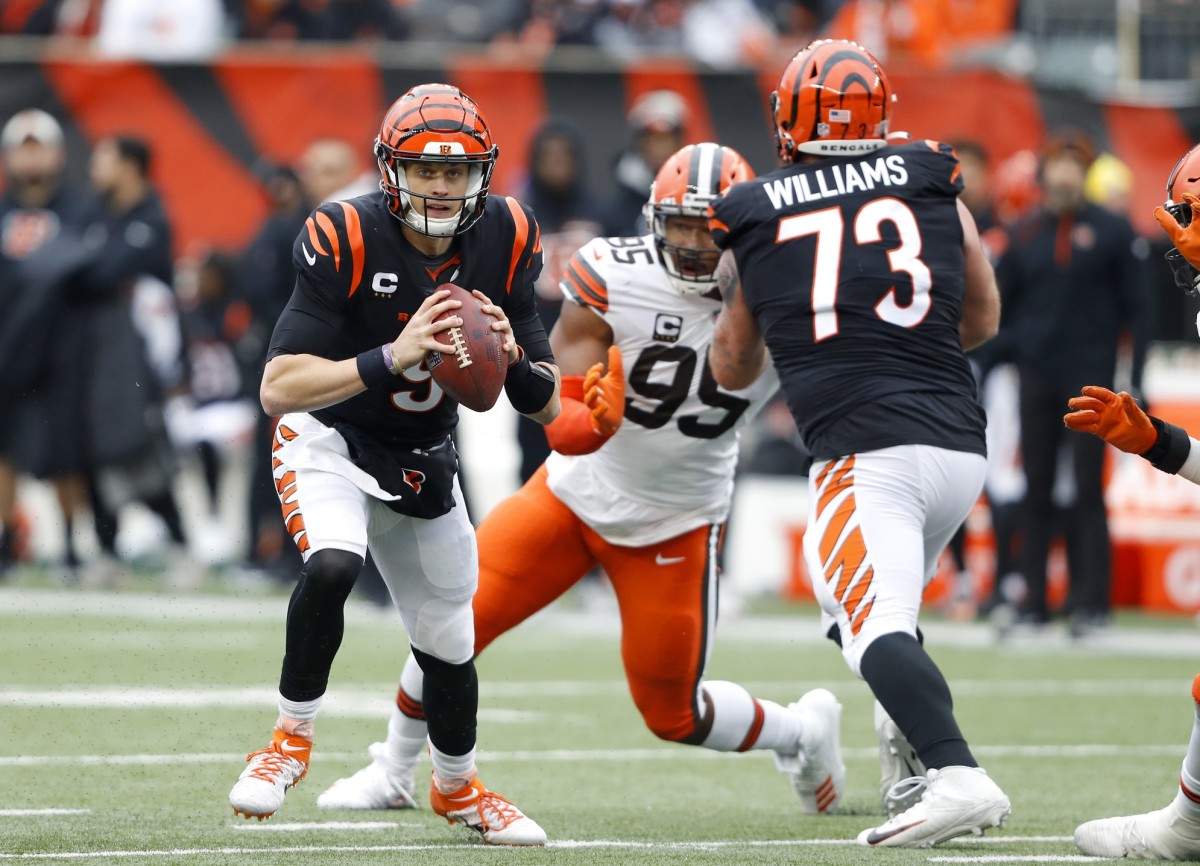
<point x="362" y="455"/>
<point x="861" y="273"/>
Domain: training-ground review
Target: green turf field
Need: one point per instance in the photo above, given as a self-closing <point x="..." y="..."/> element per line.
<point x="130" y="715"/>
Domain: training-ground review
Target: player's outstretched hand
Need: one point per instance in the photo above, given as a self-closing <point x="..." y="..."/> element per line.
<point x="409" y="349"/>
<point x="604" y="393"/>
<point x="1115" y="418"/>
<point x="1186" y="239"/>
<point x="502" y="325"/>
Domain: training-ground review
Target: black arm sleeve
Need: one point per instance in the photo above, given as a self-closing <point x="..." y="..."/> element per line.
<point x="307" y="325"/>
<point x="530" y="335"/>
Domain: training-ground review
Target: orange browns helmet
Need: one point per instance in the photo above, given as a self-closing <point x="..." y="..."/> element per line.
<point x="833" y="98"/>
<point x="686" y="184"/>
<point x="435" y="123"/>
<point x="1184" y="179"/>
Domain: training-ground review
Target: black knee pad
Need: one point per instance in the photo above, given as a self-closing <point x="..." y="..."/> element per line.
<point x="315" y="622"/>
<point x="332" y="571"/>
<point x="451" y="700"/>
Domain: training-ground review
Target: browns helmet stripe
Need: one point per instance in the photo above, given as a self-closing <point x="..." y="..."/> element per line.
<point x="704" y="168"/>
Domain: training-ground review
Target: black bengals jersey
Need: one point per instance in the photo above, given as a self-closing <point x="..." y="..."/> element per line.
<point x="359" y="280"/>
<point x="853" y="268"/>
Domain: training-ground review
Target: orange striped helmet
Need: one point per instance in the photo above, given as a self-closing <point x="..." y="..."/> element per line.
<point x="833" y="98"/>
<point x="686" y="184"/>
<point x="435" y="123"/>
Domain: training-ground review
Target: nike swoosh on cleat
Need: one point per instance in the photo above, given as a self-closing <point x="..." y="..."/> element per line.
<point x="312" y="260"/>
<point x="874" y="838"/>
<point x="288" y="747"/>
<point x="668" y="560"/>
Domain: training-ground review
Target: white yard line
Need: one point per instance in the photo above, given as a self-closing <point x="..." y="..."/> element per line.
<point x="376" y="701"/>
<point x="28" y="813"/>
<point x="320" y="826"/>
<point x="1025" y="858"/>
<point x="531" y="756"/>
<point x="799" y="629"/>
<point x="566" y="844"/>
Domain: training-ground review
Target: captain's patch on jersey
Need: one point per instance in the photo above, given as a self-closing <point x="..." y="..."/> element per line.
<point x="667" y="327"/>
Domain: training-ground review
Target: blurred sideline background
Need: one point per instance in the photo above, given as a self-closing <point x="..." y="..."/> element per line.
<point x="227" y="94"/>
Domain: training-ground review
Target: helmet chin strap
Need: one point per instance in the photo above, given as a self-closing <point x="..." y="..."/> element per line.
<point x="440" y="228"/>
<point x="426" y="225"/>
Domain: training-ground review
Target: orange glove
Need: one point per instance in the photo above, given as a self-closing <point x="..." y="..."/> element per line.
<point x="1186" y="240"/>
<point x="1115" y="418"/>
<point x="604" y="395"/>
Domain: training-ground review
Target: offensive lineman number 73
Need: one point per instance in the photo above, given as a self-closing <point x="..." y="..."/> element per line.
<point x="829" y="226"/>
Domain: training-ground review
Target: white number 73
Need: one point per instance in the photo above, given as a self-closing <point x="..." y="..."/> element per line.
<point x="829" y="227"/>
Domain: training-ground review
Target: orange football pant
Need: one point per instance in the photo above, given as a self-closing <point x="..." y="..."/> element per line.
<point x="532" y="549"/>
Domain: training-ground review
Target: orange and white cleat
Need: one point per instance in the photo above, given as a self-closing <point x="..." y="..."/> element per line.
<point x="260" y="788"/>
<point x="497" y="820"/>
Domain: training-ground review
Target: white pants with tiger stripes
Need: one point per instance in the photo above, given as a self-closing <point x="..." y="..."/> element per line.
<point x="431" y="567"/>
<point x="878" y="521"/>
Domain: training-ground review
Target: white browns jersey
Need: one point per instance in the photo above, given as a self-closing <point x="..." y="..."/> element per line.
<point x="669" y="468"/>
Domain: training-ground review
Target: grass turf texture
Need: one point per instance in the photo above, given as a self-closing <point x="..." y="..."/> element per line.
<point x="127" y="675"/>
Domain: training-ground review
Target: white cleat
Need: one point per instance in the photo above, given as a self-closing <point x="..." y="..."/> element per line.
<point x="379" y="785"/>
<point x="259" y="790"/>
<point x="902" y="778"/>
<point x="497" y="820"/>
<point x="1161" y="835"/>
<point x="817" y="772"/>
<point x="958" y="801"/>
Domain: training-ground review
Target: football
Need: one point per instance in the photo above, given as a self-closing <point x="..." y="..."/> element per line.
<point x="473" y="373"/>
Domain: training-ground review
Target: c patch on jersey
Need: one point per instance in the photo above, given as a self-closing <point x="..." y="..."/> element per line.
<point x="667" y="328"/>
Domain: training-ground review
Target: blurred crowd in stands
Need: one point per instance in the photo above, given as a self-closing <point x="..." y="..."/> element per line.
<point x="105" y="327"/>
<point x="722" y="33"/>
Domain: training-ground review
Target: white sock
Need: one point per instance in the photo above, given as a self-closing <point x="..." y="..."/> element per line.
<point x="1187" y="799"/>
<point x="407" y="736"/>
<point x="451" y="772"/>
<point x="736" y="716"/>
<point x="297" y="717"/>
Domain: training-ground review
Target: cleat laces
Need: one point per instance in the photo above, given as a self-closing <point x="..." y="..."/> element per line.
<point x="905" y="793"/>
<point x="493" y="804"/>
<point x="271" y="763"/>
